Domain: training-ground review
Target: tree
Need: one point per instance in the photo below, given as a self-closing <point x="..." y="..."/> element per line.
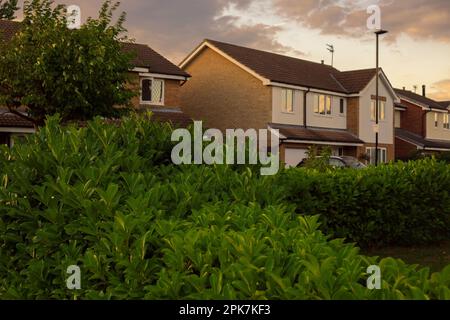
<point x="78" y="74"/>
<point x="8" y="9"/>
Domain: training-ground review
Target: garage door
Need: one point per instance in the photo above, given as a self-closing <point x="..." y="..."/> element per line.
<point x="294" y="156"/>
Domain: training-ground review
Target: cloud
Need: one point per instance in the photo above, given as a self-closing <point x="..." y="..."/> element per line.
<point x="175" y="27"/>
<point x="441" y="90"/>
<point x="419" y="19"/>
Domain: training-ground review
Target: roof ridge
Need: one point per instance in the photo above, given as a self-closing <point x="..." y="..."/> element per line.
<point x="270" y="52"/>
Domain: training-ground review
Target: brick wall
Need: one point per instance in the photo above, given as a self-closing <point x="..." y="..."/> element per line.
<point x="403" y="149"/>
<point x="224" y="96"/>
<point x="172" y="91"/>
<point x="353" y="115"/>
<point x="413" y="119"/>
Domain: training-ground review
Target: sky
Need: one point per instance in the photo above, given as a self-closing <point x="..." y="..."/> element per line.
<point x="415" y="52"/>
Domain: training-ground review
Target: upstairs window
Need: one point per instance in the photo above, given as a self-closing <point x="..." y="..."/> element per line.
<point x="341" y="106"/>
<point x="152" y="91"/>
<point x="436" y="120"/>
<point x="322" y="104"/>
<point x="381" y="110"/>
<point x="446" y="121"/>
<point x="287" y="100"/>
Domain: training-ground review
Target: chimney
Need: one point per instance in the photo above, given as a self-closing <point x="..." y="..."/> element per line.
<point x="424" y="90"/>
<point x="322" y="61"/>
<point x="404" y="88"/>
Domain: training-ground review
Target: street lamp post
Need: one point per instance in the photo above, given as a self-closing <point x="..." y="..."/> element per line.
<point x="377" y="98"/>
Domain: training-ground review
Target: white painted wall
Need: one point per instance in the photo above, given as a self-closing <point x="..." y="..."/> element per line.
<point x="278" y="116"/>
<point x="335" y="120"/>
<point x="438" y="133"/>
<point x="398" y="115"/>
<point x="366" y="132"/>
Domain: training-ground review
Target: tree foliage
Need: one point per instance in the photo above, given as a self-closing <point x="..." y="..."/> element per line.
<point x="8" y="9"/>
<point x="78" y="73"/>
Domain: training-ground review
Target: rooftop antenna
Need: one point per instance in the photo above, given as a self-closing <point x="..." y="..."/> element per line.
<point x="330" y="48"/>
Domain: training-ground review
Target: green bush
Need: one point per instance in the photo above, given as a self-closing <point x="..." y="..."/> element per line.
<point x="402" y="203"/>
<point x="105" y="198"/>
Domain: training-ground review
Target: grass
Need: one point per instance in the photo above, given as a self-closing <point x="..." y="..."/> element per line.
<point x="436" y="257"/>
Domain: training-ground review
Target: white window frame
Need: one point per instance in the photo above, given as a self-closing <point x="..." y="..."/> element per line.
<point x="446" y="121"/>
<point x="152" y="102"/>
<point x="327" y="108"/>
<point x="285" y="107"/>
<point x="382" y="156"/>
<point x="381" y="111"/>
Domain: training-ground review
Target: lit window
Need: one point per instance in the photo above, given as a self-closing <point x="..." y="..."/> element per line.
<point x="381" y="110"/>
<point x="152" y="91"/>
<point x="446" y="122"/>
<point x="322" y="104"/>
<point x="287" y="100"/>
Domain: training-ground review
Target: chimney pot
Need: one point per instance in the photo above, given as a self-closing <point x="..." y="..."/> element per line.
<point x="404" y="88"/>
<point x="323" y="61"/>
<point x="424" y="90"/>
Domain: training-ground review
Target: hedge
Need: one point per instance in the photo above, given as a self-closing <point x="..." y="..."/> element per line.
<point x="105" y="198"/>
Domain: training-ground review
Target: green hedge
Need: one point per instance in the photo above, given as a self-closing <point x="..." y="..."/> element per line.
<point x="105" y="198"/>
<point x="402" y="203"/>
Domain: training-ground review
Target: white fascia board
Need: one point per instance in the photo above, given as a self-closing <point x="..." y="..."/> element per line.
<point x="161" y="76"/>
<point x="136" y="69"/>
<point x="289" y="86"/>
<point x="17" y="130"/>
<point x="344" y="144"/>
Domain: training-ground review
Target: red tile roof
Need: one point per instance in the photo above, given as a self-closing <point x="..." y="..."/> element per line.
<point x="300" y="133"/>
<point x="145" y="56"/>
<point x="420" y="141"/>
<point x="14" y="121"/>
<point x="294" y="71"/>
<point x="420" y="99"/>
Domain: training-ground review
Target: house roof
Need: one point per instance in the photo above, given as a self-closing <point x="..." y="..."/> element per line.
<point x="445" y="104"/>
<point x="10" y="120"/>
<point x="292" y="71"/>
<point x="313" y="134"/>
<point x="419" y="141"/>
<point x="175" y="116"/>
<point x="409" y="95"/>
<point x="145" y="57"/>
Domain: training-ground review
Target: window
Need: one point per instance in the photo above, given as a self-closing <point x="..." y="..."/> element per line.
<point x="381" y="110"/>
<point x="382" y="155"/>
<point x="152" y="91"/>
<point x="436" y="120"/>
<point x="322" y="104"/>
<point x="341" y="107"/>
<point x="287" y="100"/>
<point x="446" y="122"/>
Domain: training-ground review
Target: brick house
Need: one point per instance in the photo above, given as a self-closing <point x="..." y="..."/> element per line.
<point x="157" y="79"/>
<point x="309" y="103"/>
<point x="421" y="124"/>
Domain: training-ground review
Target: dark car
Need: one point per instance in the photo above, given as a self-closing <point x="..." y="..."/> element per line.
<point x="341" y="162"/>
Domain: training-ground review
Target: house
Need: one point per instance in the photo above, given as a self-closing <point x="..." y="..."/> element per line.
<point x="158" y="80"/>
<point x="309" y="103"/>
<point x="421" y="124"/>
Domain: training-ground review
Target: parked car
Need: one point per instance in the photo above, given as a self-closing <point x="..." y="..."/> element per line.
<point x="341" y="162"/>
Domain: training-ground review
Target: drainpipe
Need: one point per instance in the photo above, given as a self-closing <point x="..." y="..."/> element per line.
<point x="305" y="122"/>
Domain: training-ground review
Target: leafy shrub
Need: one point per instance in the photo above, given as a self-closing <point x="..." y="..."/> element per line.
<point x="105" y="198"/>
<point x="403" y="203"/>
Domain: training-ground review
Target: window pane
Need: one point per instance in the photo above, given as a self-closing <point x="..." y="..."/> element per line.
<point x="316" y="104"/>
<point x="372" y="110"/>
<point x="157" y="91"/>
<point x="383" y="110"/>
<point x="322" y="104"/>
<point x="146" y="90"/>
<point x="290" y="100"/>
<point x="283" y="99"/>
<point x="342" y="106"/>
<point x="328" y="105"/>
